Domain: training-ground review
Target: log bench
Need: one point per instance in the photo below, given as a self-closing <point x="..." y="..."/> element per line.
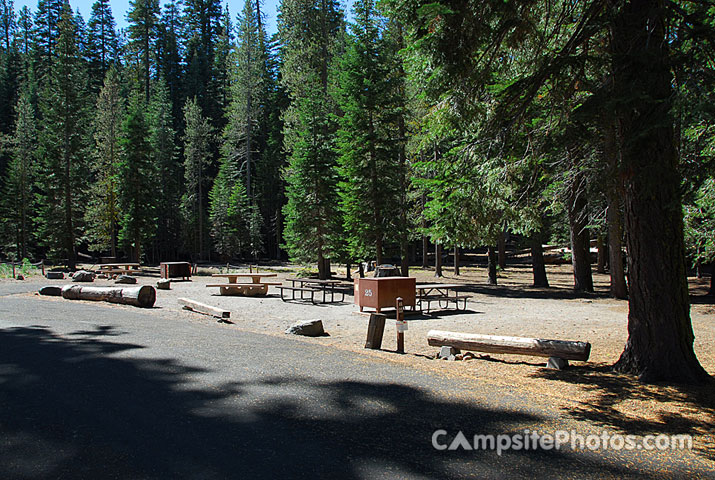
<point x="566" y="350"/>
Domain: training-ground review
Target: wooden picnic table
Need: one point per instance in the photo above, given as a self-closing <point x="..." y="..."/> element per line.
<point x="312" y="286"/>
<point x="113" y="269"/>
<point x="253" y="288"/>
<point x="440" y="292"/>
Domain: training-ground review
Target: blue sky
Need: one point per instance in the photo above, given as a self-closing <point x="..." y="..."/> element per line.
<point x="120" y="7"/>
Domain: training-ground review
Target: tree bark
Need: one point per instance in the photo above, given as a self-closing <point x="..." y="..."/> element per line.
<point x="613" y="214"/>
<point x="437" y="259"/>
<point x="143" y="296"/>
<point x="580" y="240"/>
<point x="660" y="334"/>
<point x="537" y="261"/>
<point x="602" y="254"/>
<point x="501" y="247"/>
<point x="425" y="241"/>
<point x="492" y="265"/>
<point x="538" y="347"/>
<point x="456" y="259"/>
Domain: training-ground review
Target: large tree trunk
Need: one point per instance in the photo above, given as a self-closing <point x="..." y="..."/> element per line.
<point x="660" y="333"/>
<point x="613" y="213"/>
<point x="437" y="259"/>
<point x="501" y="247"/>
<point x="492" y="265"/>
<point x="602" y="253"/>
<point x="537" y="261"/>
<point x="425" y="252"/>
<point x="456" y="259"/>
<point x="580" y="240"/>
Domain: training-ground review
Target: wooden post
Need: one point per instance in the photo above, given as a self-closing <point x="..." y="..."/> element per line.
<point x="401" y="325"/>
<point x="375" y="330"/>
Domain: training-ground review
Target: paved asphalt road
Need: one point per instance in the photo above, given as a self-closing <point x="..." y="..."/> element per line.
<point x="91" y="390"/>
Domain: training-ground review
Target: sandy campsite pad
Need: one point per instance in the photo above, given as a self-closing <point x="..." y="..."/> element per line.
<point x="587" y="391"/>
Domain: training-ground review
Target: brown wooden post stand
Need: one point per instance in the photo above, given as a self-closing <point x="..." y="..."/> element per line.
<point x="401" y="324"/>
<point x="375" y="329"/>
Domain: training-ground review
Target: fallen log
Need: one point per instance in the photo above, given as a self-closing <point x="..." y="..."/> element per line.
<point x="203" y="308"/>
<point x="567" y="350"/>
<point x="143" y="296"/>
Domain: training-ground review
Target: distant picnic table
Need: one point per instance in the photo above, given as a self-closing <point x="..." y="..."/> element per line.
<point x="311" y="286"/>
<point x="253" y="288"/>
<point x="113" y="269"/>
<point x="441" y="293"/>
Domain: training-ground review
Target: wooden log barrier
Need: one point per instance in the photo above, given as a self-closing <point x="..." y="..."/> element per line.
<point x="567" y="350"/>
<point x="199" y="307"/>
<point x="143" y="296"/>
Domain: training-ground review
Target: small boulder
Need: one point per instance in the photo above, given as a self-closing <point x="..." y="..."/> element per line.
<point x="102" y="276"/>
<point x="55" y="275"/>
<point x="308" y="328"/>
<point x="163" y="284"/>
<point x="126" y="280"/>
<point x="83" y="276"/>
<point x="557" y="363"/>
<point x="447" y="351"/>
<point x="51" y="290"/>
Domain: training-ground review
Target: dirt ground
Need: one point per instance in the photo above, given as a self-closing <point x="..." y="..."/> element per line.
<point x="587" y="390"/>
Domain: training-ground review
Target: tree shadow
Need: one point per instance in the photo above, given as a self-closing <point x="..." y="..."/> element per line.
<point x="691" y="411"/>
<point x="537" y="293"/>
<point x="81" y="406"/>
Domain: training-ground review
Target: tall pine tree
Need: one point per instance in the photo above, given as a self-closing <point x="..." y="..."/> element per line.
<point x="197" y="157"/>
<point x="63" y="146"/>
<point x="103" y="209"/>
<point x="310" y="33"/>
<point x="18" y="199"/>
<point x="137" y="182"/>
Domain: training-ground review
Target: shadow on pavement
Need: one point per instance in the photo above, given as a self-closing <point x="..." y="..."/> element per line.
<point x="82" y="407"/>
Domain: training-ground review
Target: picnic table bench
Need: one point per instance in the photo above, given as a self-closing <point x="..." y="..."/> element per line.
<point x="440" y="293"/>
<point x="313" y="286"/>
<point x="253" y="288"/>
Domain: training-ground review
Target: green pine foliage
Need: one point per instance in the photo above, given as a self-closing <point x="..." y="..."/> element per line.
<point x="137" y="182"/>
<point x="229" y="214"/>
<point x="166" y="162"/>
<point x="143" y="17"/>
<point x="369" y="153"/>
<point x="103" y="214"/>
<point x="63" y="147"/>
<point x="311" y="35"/>
<point x="102" y="43"/>
<point x="197" y="157"/>
<point x="18" y="206"/>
